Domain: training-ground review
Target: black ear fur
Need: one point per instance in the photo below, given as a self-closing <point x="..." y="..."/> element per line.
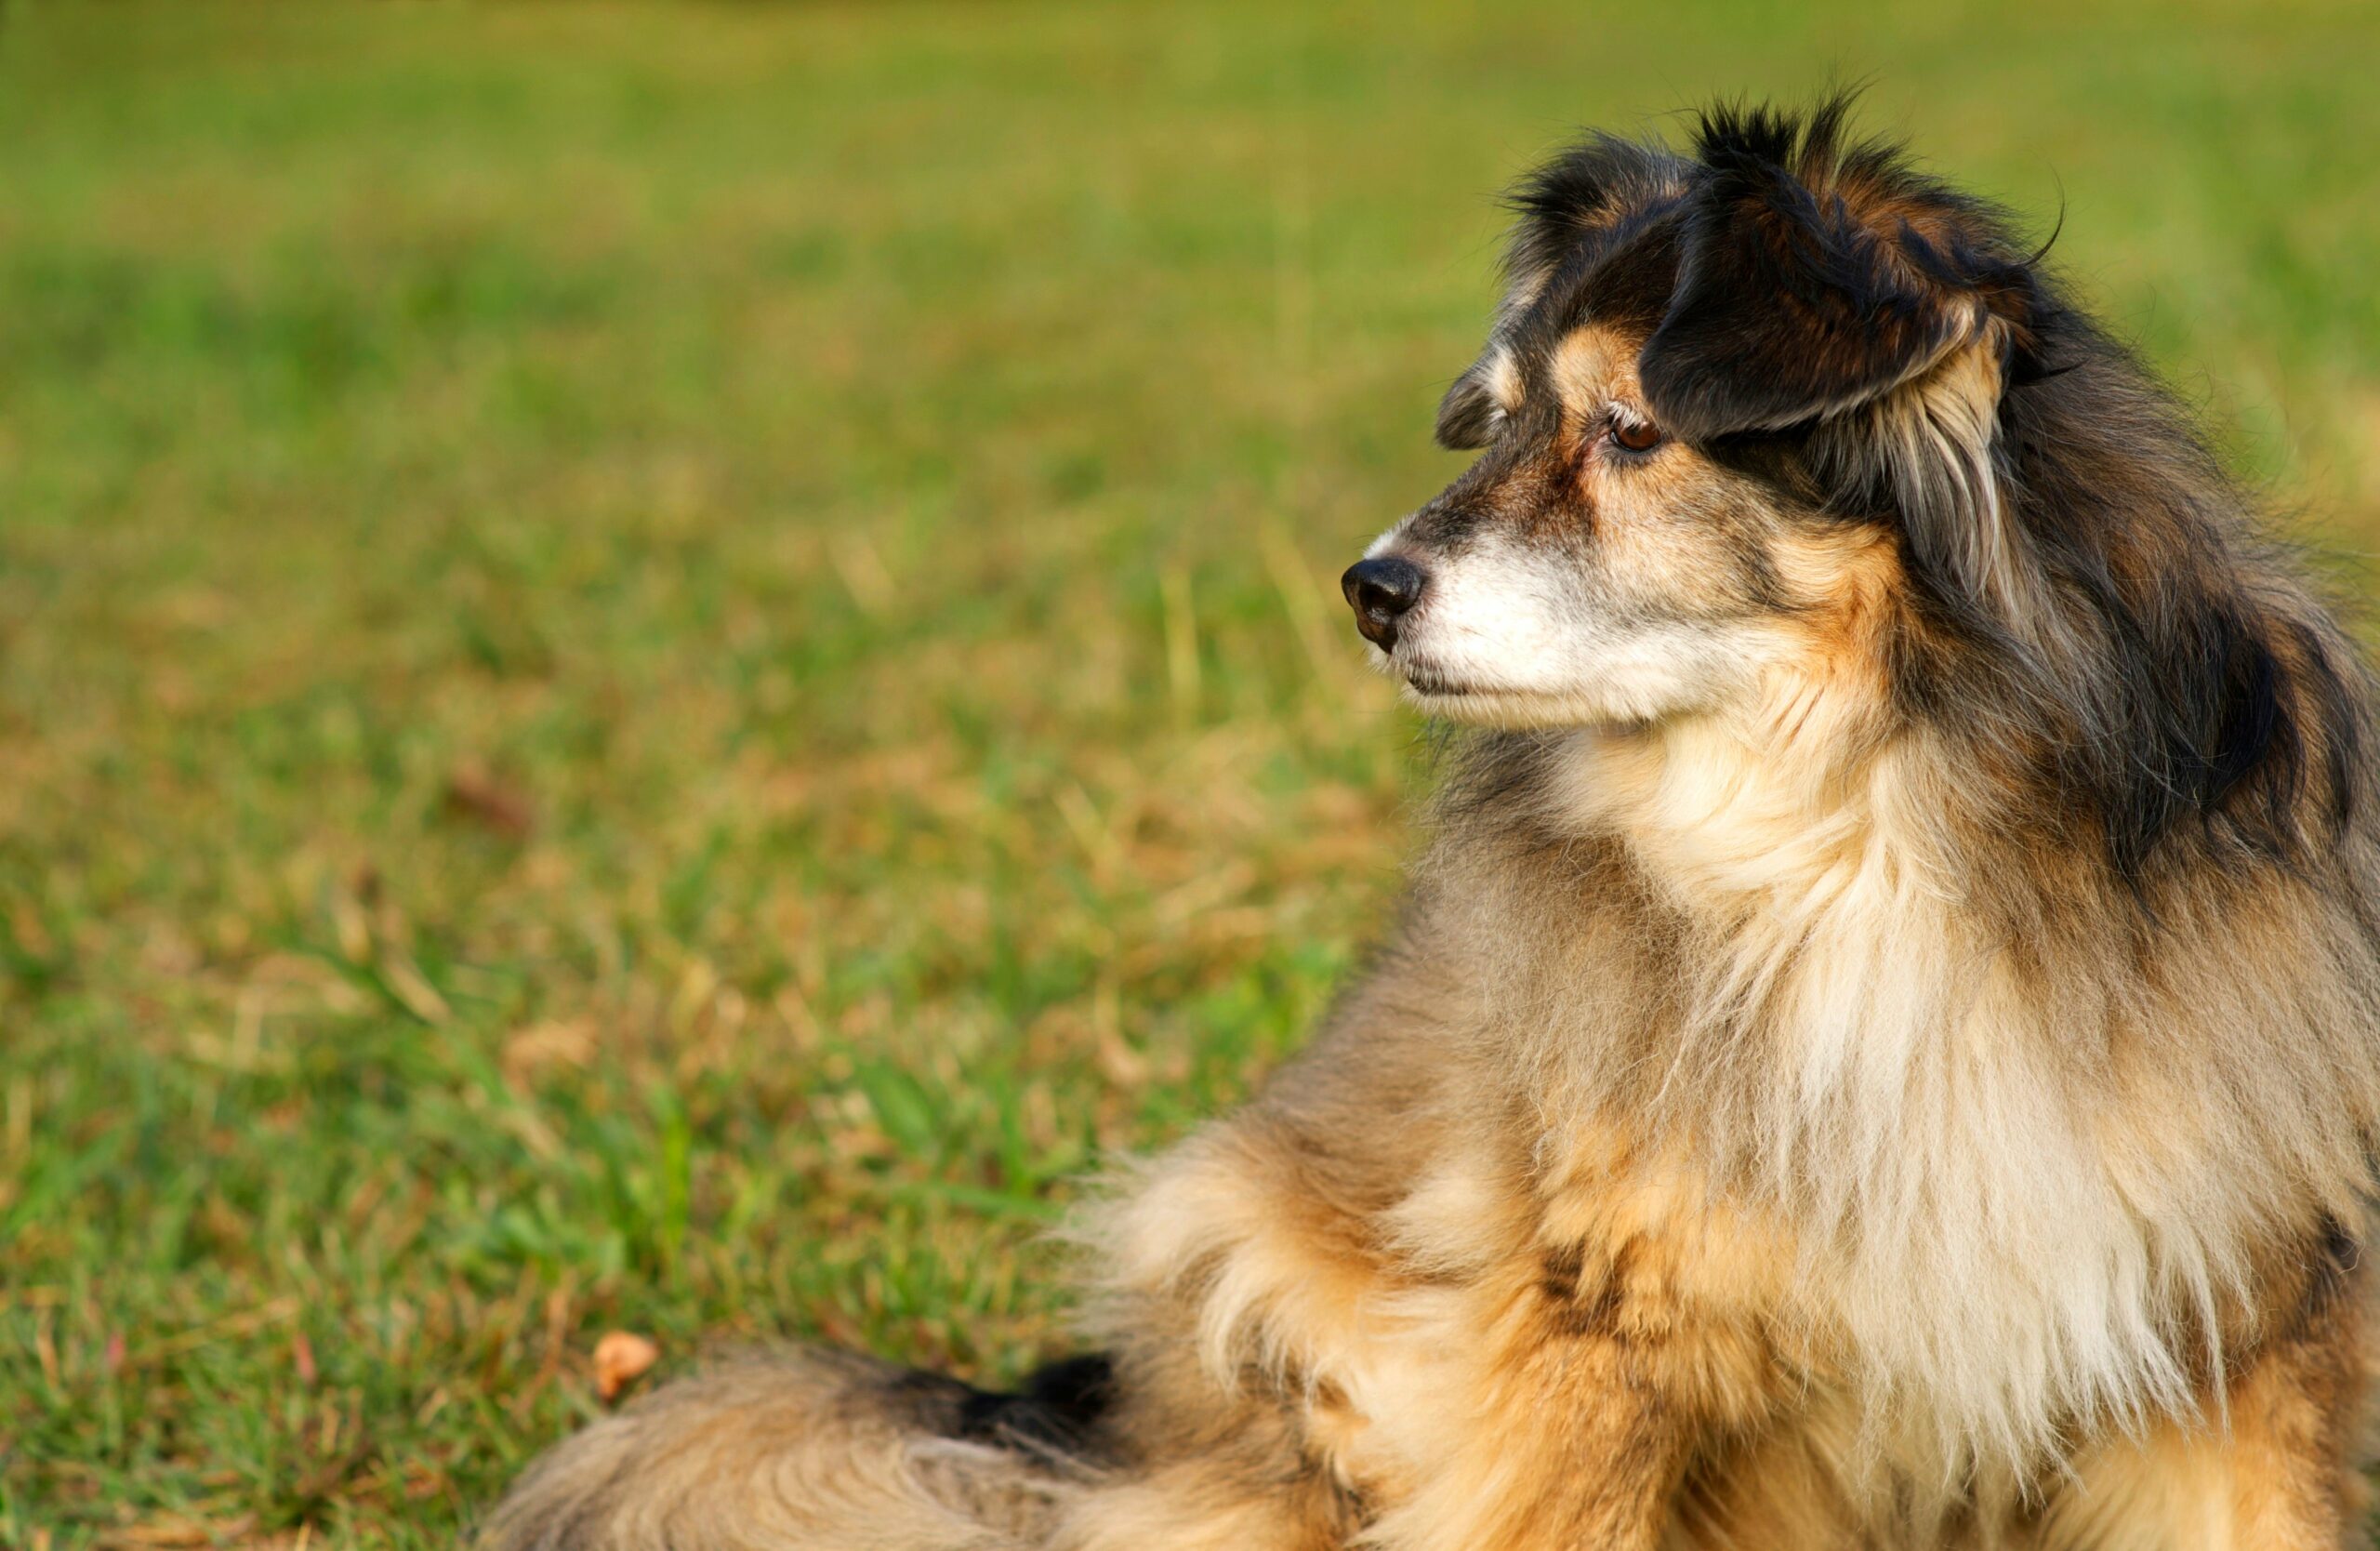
<point x="1576" y="204"/>
<point x="1579" y="196"/>
<point x="1789" y="305"/>
<point x="1467" y="415"/>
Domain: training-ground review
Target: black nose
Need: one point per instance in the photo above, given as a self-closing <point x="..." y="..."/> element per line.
<point x="1380" y="591"/>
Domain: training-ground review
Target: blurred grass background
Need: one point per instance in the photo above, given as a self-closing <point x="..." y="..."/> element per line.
<point x="655" y="665"/>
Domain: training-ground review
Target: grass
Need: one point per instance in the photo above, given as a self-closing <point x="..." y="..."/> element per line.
<point x="657" y="665"/>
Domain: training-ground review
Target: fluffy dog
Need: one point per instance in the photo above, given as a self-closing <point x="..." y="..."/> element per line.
<point x="1883" y="1050"/>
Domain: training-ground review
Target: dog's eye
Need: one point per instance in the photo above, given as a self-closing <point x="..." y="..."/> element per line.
<point x="1637" y="435"/>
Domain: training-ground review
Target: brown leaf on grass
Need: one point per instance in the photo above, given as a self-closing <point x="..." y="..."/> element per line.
<point x="620" y="1358"/>
<point x="476" y="793"/>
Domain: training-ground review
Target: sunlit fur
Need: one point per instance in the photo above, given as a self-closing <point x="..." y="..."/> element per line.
<point x="1884" y="1044"/>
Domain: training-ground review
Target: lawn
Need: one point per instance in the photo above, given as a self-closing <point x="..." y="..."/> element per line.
<point x="658" y="666"/>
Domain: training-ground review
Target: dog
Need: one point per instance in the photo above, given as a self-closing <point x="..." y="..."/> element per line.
<point x="1883" y="1047"/>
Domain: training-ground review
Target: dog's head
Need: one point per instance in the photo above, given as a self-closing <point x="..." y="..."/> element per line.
<point x="1785" y="429"/>
<point x="1726" y="399"/>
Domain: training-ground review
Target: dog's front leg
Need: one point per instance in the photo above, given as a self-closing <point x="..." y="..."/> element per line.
<point x="1566" y="1446"/>
<point x="1559" y="1402"/>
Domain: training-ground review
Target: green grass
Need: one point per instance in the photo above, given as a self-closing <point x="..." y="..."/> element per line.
<point x="656" y="666"/>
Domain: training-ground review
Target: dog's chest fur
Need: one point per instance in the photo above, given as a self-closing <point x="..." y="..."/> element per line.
<point x="1777" y="1075"/>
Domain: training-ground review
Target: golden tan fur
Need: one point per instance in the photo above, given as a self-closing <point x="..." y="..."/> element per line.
<point x="1814" y="1098"/>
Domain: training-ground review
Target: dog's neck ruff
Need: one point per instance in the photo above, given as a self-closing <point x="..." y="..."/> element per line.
<point x="1918" y="1095"/>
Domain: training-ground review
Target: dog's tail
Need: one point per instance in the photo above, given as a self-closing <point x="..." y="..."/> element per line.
<point x="816" y="1452"/>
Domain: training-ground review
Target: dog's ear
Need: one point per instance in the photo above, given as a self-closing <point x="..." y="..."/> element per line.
<point x="1467" y="416"/>
<point x="1804" y="283"/>
<point x="1571" y="209"/>
<point x="1829" y="285"/>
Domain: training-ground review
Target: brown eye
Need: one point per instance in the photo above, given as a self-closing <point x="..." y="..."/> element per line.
<point x="1637" y="435"/>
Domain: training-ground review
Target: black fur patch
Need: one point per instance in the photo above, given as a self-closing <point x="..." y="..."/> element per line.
<point x="1056" y="1412"/>
<point x="1592" y="196"/>
<point x="2334" y="1262"/>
